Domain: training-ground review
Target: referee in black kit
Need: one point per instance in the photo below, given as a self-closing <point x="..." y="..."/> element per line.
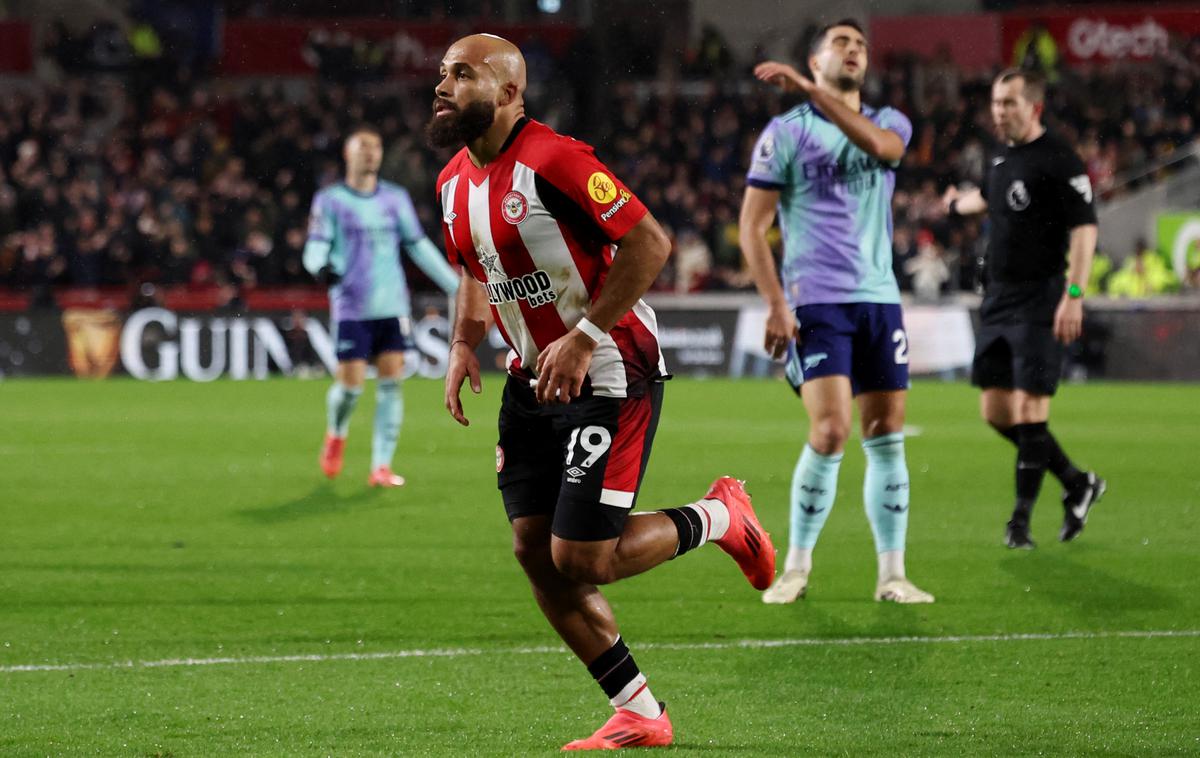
<point x="1043" y="235"/>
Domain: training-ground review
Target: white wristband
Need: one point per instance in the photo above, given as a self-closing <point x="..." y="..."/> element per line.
<point x="590" y="329"/>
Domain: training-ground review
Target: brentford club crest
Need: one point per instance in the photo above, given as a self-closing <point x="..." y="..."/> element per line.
<point x="499" y="459"/>
<point x="514" y="207"/>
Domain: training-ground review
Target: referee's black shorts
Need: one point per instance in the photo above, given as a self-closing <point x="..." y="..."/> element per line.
<point x="1015" y="347"/>
<point x="1017" y="356"/>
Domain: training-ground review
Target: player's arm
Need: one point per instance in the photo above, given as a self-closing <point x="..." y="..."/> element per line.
<point x="882" y="144"/>
<point x="963" y="202"/>
<point x="430" y="260"/>
<point x="758" y="214"/>
<point x="471" y="322"/>
<point x="1079" y="214"/>
<point x="421" y="249"/>
<point x="318" y="249"/>
<point x="641" y="253"/>
<point x="1068" y="317"/>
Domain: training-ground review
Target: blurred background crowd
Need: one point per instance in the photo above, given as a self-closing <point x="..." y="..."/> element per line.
<point x="126" y="161"/>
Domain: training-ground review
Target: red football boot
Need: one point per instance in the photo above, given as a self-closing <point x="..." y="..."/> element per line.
<point x="628" y="729"/>
<point x="331" y="455"/>
<point x="383" y="477"/>
<point x="746" y="541"/>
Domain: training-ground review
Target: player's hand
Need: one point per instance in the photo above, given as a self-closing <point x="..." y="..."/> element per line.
<point x="1068" y="320"/>
<point x="949" y="196"/>
<point x="781" y="329"/>
<point x="562" y="366"/>
<point x="327" y="276"/>
<point x="463" y="364"/>
<point x="782" y="75"/>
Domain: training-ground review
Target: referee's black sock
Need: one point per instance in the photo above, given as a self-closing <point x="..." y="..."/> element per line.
<point x="1032" y="452"/>
<point x="1009" y="434"/>
<point x="1057" y="462"/>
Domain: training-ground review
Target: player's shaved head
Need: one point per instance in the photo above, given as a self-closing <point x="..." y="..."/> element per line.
<point x="482" y="85"/>
<point x="496" y="54"/>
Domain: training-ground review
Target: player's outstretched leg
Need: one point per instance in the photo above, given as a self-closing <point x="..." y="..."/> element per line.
<point x="340" y="401"/>
<point x="885" y="498"/>
<point x="389" y="414"/>
<point x="814" y="488"/>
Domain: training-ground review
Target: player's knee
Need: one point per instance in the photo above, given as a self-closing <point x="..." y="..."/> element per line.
<point x="877" y="427"/>
<point x="588" y="569"/>
<point x="533" y="555"/>
<point x="828" y="436"/>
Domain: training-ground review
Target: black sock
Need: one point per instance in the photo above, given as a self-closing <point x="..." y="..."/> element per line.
<point x="690" y="527"/>
<point x="1060" y="465"/>
<point x="614" y="669"/>
<point x="1031" y="467"/>
<point x="1009" y="434"/>
<point x="1057" y="462"/>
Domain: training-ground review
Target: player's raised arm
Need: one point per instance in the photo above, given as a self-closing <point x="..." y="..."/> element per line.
<point x="884" y="144"/>
<point x="758" y="214"/>
<point x="838" y="62"/>
<point x="470" y="327"/>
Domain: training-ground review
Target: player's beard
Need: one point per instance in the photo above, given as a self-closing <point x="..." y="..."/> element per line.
<point x="848" y="82"/>
<point x="461" y="126"/>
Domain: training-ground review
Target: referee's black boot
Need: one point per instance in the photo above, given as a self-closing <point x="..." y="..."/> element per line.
<point x="1016" y="535"/>
<point x="1077" y="503"/>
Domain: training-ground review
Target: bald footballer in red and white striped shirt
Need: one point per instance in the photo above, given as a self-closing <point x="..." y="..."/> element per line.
<point x="558" y="252"/>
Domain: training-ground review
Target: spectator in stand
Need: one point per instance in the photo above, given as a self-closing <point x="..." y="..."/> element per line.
<point x="1144" y="274"/>
<point x="927" y="269"/>
<point x="222" y="159"/>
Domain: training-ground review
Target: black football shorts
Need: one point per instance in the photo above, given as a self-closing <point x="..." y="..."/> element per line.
<point x="1017" y="356"/>
<point x="582" y="462"/>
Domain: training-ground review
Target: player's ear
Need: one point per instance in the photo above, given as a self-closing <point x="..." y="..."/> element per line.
<point x="509" y="93"/>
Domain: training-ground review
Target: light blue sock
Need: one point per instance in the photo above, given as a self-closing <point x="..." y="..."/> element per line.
<point x="339" y="404"/>
<point x="814" y="485"/>
<point x="389" y="413"/>
<point x="885" y="490"/>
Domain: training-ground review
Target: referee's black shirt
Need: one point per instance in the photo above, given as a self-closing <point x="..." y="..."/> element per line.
<point x="1036" y="194"/>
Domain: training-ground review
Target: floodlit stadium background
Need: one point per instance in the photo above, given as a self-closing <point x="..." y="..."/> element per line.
<point x="157" y="160"/>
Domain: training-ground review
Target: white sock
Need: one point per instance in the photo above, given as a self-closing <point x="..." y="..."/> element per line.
<point x="636" y="697"/>
<point x="891" y="565"/>
<point x="715" y="516"/>
<point x="799" y="559"/>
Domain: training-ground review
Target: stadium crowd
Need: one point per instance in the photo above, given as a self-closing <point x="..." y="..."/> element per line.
<point x="207" y="183"/>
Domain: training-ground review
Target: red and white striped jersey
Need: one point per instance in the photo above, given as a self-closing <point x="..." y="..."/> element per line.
<point x="537" y="228"/>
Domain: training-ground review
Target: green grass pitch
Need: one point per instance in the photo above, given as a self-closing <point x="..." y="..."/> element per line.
<point x="188" y="526"/>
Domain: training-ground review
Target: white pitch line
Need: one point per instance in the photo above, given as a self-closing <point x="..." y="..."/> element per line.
<point x="463" y="652"/>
